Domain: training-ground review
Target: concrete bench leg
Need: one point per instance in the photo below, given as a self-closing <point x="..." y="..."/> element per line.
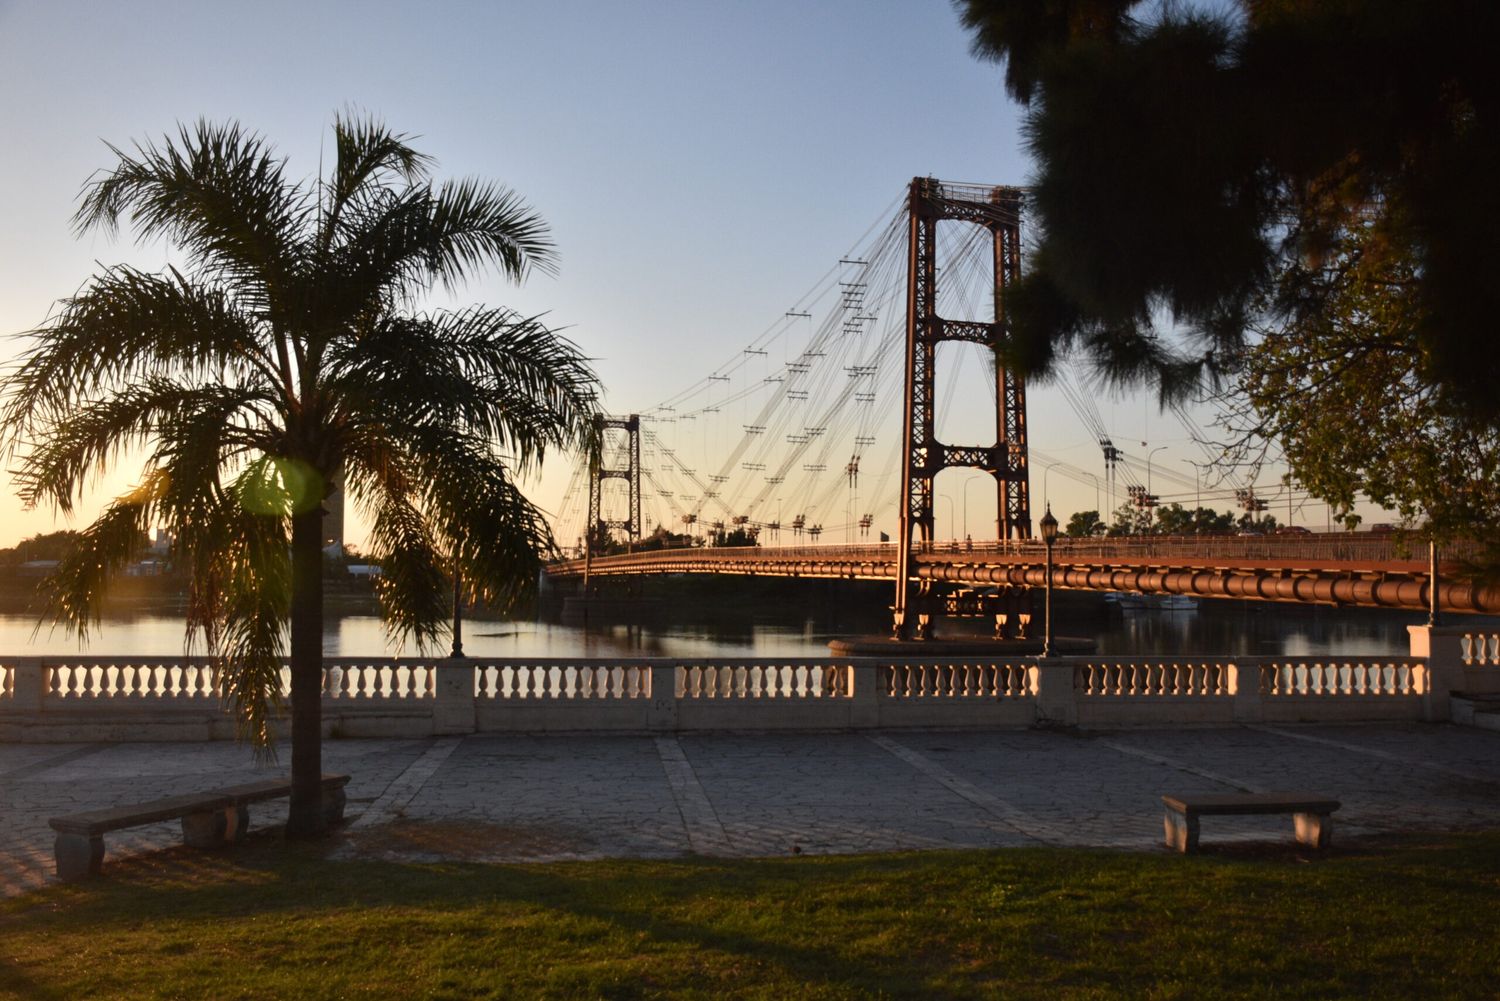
<point x="206" y="830"/>
<point x="78" y="856"/>
<point x="239" y="824"/>
<point x="333" y="807"/>
<point x="1314" y="829"/>
<point x="1181" y="831"/>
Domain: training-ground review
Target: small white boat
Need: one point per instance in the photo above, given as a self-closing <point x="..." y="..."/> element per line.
<point x="1130" y="602"/>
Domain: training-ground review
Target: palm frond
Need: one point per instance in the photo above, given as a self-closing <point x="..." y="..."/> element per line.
<point x="399" y="244"/>
<point x="125" y="327"/>
<point x="504" y="376"/>
<point x="185" y="421"/>
<point x="412" y="587"/>
<point x="367" y="153"/>
<point x="75" y="592"/>
<point x="240" y="600"/>
<point x="217" y="191"/>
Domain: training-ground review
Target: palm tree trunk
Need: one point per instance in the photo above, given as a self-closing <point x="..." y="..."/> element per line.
<point x="306" y="814"/>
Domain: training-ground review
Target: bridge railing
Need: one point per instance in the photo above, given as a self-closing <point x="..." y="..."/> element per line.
<point x="123" y="698"/>
<point x="1317" y="548"/>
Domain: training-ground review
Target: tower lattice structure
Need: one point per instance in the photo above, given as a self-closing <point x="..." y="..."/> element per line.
<point x="630" y="473"/>
<point x="998" y="210"/>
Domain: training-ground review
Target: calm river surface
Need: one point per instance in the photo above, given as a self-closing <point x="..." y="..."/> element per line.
<point x="1217" y="627"/>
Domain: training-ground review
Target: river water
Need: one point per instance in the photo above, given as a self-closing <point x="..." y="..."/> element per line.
<point x="1237" y="628"/>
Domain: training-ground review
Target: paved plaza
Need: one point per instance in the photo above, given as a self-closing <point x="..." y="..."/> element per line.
<point x="517" y="798"/>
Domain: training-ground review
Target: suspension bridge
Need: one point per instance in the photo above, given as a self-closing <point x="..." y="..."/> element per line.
<point x="815" y="451"/>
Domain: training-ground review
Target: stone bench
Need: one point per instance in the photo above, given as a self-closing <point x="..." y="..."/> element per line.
<point x="209" y="819"/>
<point x="1310" y="814"/>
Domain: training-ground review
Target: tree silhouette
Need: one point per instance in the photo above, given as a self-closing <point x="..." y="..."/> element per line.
<point x="285" y="357"/>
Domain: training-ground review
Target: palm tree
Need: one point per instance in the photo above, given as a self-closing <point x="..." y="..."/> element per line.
<point x="286" y="358"/>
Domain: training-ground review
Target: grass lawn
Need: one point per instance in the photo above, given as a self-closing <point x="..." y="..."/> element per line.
<point x="1418" y="918"/>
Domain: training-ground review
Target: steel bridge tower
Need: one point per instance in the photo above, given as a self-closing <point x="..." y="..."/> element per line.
<point x="923" y="456"/>
<point x="630" y="473"/>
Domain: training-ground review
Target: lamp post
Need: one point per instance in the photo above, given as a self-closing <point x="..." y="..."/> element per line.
<point x="1049" y="536"/>
<point x="1158" y="448"/>
<point x="458" y="611"/>
<point x="950" y="512"/>
<point x="1197" y="496"/>
<point x="967" y="482"/>
<point x="1434" y="616"/>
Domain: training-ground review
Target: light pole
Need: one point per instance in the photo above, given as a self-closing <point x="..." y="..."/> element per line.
<point x="1434" y="616"/>
<point x="1197" y="496"/>
<point x="950" y="512"/>
<point x="458" y="611"/>
<point x="1158" y="448"/>
<point x="967" y="483"/>
<point x="1049" y="536"/>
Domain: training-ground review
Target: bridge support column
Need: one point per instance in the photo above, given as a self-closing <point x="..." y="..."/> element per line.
<point x="453" y="710"/>
<point x="1052" y="684"/>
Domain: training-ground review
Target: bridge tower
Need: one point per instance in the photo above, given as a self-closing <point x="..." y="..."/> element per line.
<point x="998" y="210"/>
<point x="630" y="473"/>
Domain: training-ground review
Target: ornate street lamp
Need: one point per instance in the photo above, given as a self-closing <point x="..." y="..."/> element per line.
<point x="1049" y="536"/>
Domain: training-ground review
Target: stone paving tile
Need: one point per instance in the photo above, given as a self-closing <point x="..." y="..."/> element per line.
<point x="530" y="798"/>
<point x="555" y="797"/>
<point x="133" y="773"/>
<point x="1456" y="748"/>
<point x="823" y="793"/>
<point x="1075" y="785"/>
<point x="1377" y="794"/>
<point x="17" y="760"/>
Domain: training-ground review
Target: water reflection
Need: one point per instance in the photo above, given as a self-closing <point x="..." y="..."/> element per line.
<point x="1242" y="629"/>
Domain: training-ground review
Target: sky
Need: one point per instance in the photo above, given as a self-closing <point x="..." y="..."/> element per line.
<point x="700" y="164"/>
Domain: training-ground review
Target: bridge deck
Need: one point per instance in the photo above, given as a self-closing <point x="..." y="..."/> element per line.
<point x="1339" y="569"/>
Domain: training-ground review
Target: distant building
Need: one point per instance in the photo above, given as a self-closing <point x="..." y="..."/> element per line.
<point x="162" y="544"/>
<point x="38" y="568"/>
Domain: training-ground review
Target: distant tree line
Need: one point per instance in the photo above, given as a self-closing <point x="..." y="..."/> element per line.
<point x="1173" y="519"/>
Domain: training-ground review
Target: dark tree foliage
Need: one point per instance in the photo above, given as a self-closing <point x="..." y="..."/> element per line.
<point x="1188" y="154"/>
<point x="46" y="546"/>
<point x="741" y="536"/>
<point x="1084" y="525"/>
<point x="1174" y="519"/>
<point x="1348" y="393"/>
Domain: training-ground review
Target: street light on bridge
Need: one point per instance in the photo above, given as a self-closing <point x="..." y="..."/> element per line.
<point x="1158" y="448"/>
<point x="1049" y="536"/>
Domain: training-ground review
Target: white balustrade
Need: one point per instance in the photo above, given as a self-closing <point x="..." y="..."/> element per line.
<point x="761" y="679"/>
<point x="1481" y="649"/>
<point x="350" y="679"/>
<point x="1151" y="678"/>
<point x="155" y="680"/>
<point x="405" y="696"/>
<point x="1334" y="677"/>
<point x="955" y="678"/>
<point x="559" y="678"/>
